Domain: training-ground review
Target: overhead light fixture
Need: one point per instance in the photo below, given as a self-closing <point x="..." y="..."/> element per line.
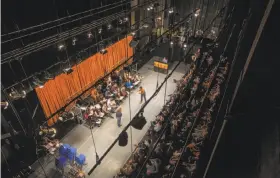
<point x="171" y="43"/>
<point x="133" y="33"/>
<point x="15" y="94"/>
<point x="68" y="70"/>
<point x="196" y="14"/>
<point x="151" y="7"/>
<point x="100" y="30"/>
<point x="60" y="47"/>
<point x="145" y="25"/>
<point x="170" y="11"/>
<point x="89" y="35"/>
<point x="125" y="19"/>
<point x="148" y="9"/>
<point x="185" y="45"/>
<point x="74" y="41"/>
<point x="103" y="51"/>
<point x="109" y="26"/>
<point x="4" y="104"/>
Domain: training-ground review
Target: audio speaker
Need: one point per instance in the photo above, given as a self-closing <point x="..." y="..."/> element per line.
<point x="139" y="122"/>
<point x="123" y="139"/>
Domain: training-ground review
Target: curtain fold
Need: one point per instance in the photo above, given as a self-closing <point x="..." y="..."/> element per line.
<point x="58" y="92"/>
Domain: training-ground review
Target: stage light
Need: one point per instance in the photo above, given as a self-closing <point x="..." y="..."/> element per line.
<point x="109" y="26"/>
<point x="148" y="9"/>
<point x="133" y="33"/>
<point x="145" y="25"/>
<point x="60" y="47"/>
<point x="171" y="43"/>
<point x="185" y="45"/>
<point x="4" y="104"/>
<point x="15" y="94"/>
<point x="196" y="14"/>
<point x="151" y="7"/>
<point x="89" y="35"/>
<point x="74" y="41"/>
<point x="103" y="51"/>
<point x="48" y="132"/>
<point x="68" y="70"/>
<point x="100" y="30"/>
<point x="170" y="11"/>
<point x="125" y="19"/>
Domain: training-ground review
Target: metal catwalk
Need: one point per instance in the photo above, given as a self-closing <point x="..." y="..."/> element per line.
<point x="80" y="136"/>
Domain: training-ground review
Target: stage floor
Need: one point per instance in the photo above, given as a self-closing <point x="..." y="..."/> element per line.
<point x="80" y="137"/>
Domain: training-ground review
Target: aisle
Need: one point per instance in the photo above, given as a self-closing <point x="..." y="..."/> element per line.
<point x="80" y="137"/>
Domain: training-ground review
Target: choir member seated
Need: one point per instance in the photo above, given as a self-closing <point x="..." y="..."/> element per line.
<point x="106" y="111"/>
<point x="51" y="145"/>
<point x="128" y="84"/>
<point x="111" y="104"/>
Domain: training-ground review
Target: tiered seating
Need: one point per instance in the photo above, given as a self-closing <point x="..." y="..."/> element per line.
<point x="186" y="119"/>
<point x="185" y="102"/>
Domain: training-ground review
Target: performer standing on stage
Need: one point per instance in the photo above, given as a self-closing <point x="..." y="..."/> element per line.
<point x="142" y="92"/>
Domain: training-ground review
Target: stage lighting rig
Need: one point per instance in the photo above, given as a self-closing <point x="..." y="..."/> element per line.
<point x="109" y="27"/>
<point x="4" y="104"/>
<point x="103" y="51"/>
<point x="171" y="11"/>
<point x="125" y="19"/>
<point x="61" y="46"/>
<point x="89" y="35"/>
<point x="74" y="41"/>
<point x="99" y="30"/>
<point x="197" y="12"/>
<point x="17" y="94"/>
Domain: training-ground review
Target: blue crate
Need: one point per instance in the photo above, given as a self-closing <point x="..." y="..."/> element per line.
<point x="81" y="159"/>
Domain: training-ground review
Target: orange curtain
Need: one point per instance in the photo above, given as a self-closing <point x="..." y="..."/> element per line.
<point x="58" y="92"/>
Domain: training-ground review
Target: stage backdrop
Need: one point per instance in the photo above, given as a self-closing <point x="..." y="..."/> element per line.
<point x="58" y="92"/>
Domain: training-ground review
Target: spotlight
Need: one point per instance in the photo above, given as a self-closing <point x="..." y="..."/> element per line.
<point x="74" y="41"/>
<point x="4" y="104"/>
<point x="133" y="33"/>
<point x="89" y="35"/>
<point x="125" y="19"/>
<point x="151" y="7"/>
<point x="185" y="45"/>
<point x="148" y="9"/>
<point x="170" y="11"/>
<point x="68" y="70"/>
<point x="109" y="26"/>
<point x="171" y="43"/>
<point x="145" y="25"/>
<point x="48" y="132"/>
<point x="103" y="51"/>
<point x="197" y="12"/>
<point x="15" y="94"/>
<point x="100" y="30"/>
<point x="60" y="47"/>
